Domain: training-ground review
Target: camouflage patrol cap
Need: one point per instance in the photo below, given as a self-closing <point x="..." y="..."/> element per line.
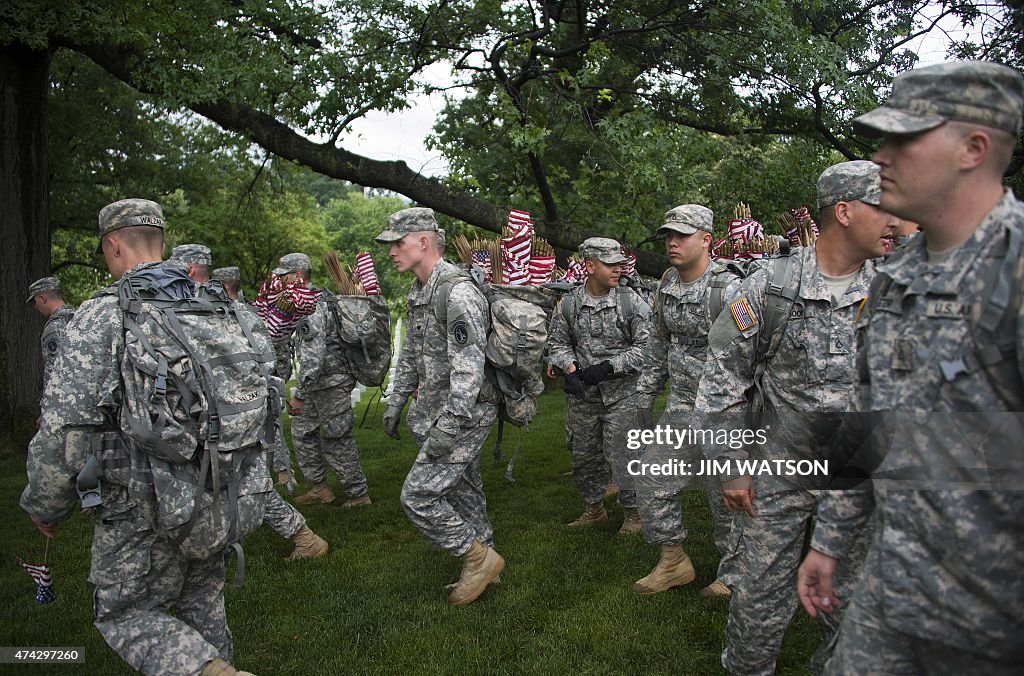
<point x="849" y="181"/>
<point x="127" y="213"/>
<point x="606" y="250"/>
<point x="41" y="285"/>
<point x="293" y="262"/>
<point x="687" y="219"/>
<point x="192" y="253"/>
<point x="228" y="274"/>
<point x="401" y="223"/>
<point x="966" y="91"/>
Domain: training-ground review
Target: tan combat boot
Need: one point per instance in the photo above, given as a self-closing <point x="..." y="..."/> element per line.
<point x="218" y="667"/>
<point x="593" y="515"/>
<point x="308" y="545"/>
<point x="320" y="492"/>
<point x="611" y="490"/>
<point x="674" y="569"/>
<point x="282" y="478"/>
<point x="716" y="589"/>
<point x="630" y="523"/>
<point x="481" y="565"/>
<point x="361" y="501"/>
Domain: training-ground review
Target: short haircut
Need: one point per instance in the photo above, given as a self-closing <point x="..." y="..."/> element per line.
<point x="145" y="237"/>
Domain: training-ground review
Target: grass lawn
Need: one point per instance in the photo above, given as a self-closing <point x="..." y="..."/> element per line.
<point x="376" y="603"/>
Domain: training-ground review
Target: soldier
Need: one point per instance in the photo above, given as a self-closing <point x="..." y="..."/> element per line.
<point x="290" y="268"/>
<point x="138" y="575"/>
<point x="46" y="298"/>
<point x="231" y="278"/>
<point x="196" y="258"/>
<point x="443" y="358"/>
<point x="279" y="515"/>
<point x="597" y="338"/>
<point x="941" y="590"/>
<point x="321" y="410"/>
<point x="691" y="295"/>
<point x="809" y="377"/>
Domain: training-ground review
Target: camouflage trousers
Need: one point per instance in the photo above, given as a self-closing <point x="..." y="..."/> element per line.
<point x="282" y="369"/>
<point x="281" y="516"/>
<point x="866" y="644"/>
<point x="596" y="437"/>
<point x="138" y="578"/>
<point x="769" y="549"/>
<point x="445" y="501"/>
<point x="661" y="512"/>
<point x="322" y="436"/>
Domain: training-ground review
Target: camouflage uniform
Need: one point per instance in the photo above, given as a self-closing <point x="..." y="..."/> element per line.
<point x="811" y="374"/>
<point x="55" y="325"/>
<point x="676" y="352"/>
<point x="596" y="425"/>
<point x="444" y="497"/>
<point x="52" y="337"/>
<point x="942" y="590"/>
<point x="325" y="385"/>
<point x="281" y="456"/>
<point x="137" y="574"/>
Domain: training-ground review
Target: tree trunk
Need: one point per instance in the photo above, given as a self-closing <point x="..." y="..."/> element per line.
<point x="25" y="228"/>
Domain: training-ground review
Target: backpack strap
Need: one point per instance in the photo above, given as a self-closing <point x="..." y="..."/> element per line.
<point x="717" y="286"/>
<point x="443" y="290"/>
<point x="624" y="310"/>
<point x="782" y="291"/>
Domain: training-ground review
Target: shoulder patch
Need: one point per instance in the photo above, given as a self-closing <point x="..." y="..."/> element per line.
<point x="460" y="331"/>
<point x="51" y="346"/>
<point x="305" y="328"/>
<point x="742" y="314"/>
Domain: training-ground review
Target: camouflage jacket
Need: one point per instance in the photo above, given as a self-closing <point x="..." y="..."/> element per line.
<point x="677" y="346"/>
<point x="53" y="335"/>
<point x="950" y="553"/>
<point x="322" y="362"/>
<point x="597" y="336"/>
<point x="445" y="363"/>
<point x="813" y="370"/>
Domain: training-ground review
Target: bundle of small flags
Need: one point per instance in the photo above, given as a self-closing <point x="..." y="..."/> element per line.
<point x="745" y="238"/>
<point x="801" y="230"/>
<point x="518" y="258"/>
<point x="576" y="272"/>
<point x="43" y="579"/>
<point x="367" y="274"/>
<point x="629" y="267"/>
<point x="542" y="262"/>
<point x="282" y="306"/>
<point x="515" y="249"/>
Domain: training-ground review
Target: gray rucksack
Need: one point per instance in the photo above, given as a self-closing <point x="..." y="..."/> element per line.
<point x="515" y="342"/>
<point x="363" y="324"/>
<point x="198" y="409"/>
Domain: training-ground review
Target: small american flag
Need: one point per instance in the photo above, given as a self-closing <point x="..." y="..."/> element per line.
<point x="43" y="579"/>
<point x="367" y="274"/>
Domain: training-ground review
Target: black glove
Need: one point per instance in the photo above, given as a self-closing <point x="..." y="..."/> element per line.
<point x="595" y="373"/>
<point x="392" y="416"/>
<point x="573" y="384"/>
<point x="439" y="444"/>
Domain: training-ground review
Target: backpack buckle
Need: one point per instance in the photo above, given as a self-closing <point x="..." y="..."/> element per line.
<point x="951" y="369"/>
<point x="214" y="433"/>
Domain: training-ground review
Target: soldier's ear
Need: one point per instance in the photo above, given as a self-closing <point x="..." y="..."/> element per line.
<point x="841" y="211"/>
<point x="974" y="148"/>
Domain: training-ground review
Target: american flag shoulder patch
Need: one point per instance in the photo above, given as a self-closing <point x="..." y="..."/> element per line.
<point x="742" y="314"/>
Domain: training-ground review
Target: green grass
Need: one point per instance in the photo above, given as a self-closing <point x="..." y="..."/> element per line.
<point x="376" y="603"/>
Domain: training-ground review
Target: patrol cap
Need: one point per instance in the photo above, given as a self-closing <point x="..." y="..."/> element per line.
<point x="228" y="274"/>
<point x="192" y="253"/>
<point x="606" y="250"/>
<point x="293" y="262"/>
<point x="127" y="213"/>
<point x="966" y="91"/>
<point x="848" y="181"/>
<point x="41" y="285"/>
<point x="687" y="219"/>
<point x="401" y="223"/>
